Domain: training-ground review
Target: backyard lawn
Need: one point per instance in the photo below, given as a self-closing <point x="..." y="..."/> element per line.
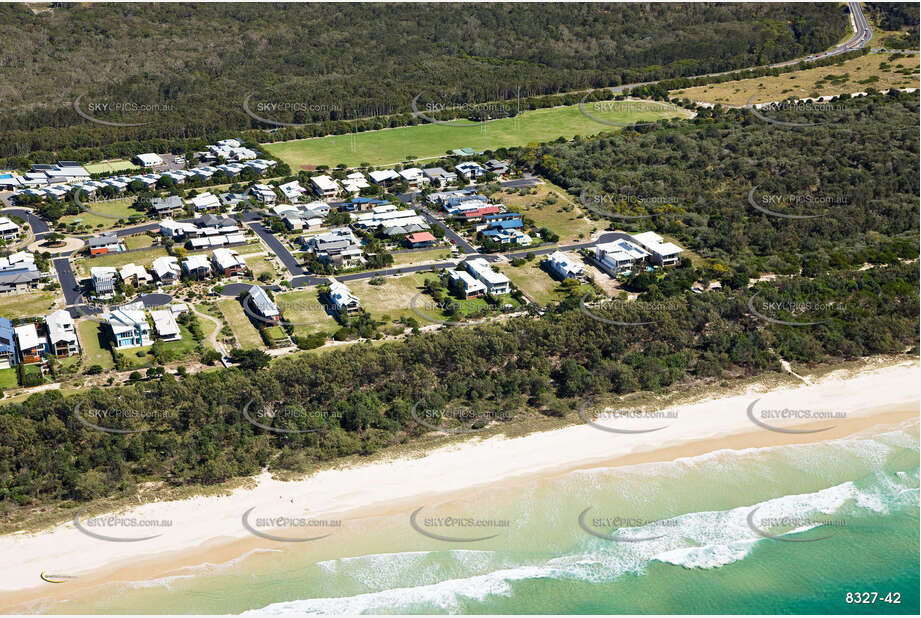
<point x="92" y="342"/>
<point x="389" y="146"/>
<point x="551" y="207"/>
<point x="8" y="378"/>
<point x="26" y="305"/>
<point x="243" y="331"/>
<point x="141" y="357"/>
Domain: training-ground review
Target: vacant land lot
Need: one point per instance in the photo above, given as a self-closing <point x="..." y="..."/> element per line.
<point x="549" y="206"/>
<point x="417" y="257"/>
<point x="138" y="241"/>
<point x="258" y="264"/>
<point x="245" y="333"/>
<point x="103" y="214"/>
<point x="536" y="282"/>
<point x="8" y="378"/>
<point x="93" y="341"/>
<point x="389" y="146"/>
<point x="115" y="165"/>
<point x="144" y="257"/>
<point x="855" y="75"/>
<point x="390" y="301"/>
<point x="306" y="313"/>
<point x="25" y="305"/>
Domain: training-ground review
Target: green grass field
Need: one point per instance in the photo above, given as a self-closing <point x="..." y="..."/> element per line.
<point x="258" y="264"/>
<point x="391" y="300"/>
<point x="8" y="378"/>
<point x="138" y="241"/>
<point x="117" y="208"/>
<point x="91" y="341"/>
<point x="306" y="314"/>
<point x="115" y="165"/>
<point x="536" y="283"/>
<point x="144" y="257"/>
<point x="390" y="146"/>
<point x="243" y="331"/>
<point x="25" y="305"/>
<point x="141" y="357"/>
<point x="427" y="255"/>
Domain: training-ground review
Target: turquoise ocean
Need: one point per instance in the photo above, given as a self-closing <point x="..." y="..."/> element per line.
<point x="788" y="529"/>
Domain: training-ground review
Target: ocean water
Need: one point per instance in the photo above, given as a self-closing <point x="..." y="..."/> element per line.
<point x="791" y="529"/>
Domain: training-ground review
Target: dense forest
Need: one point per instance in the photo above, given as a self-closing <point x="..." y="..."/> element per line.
<point x="855" y="174"/>
<point x="360" y="399"/>
<point x="195" y="64"/>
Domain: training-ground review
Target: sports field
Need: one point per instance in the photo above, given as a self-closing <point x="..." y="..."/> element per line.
<point x="391" y="146"/>
<point x="116" y="165"/>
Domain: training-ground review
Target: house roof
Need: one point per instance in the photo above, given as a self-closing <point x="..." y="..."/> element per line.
<point x="264" y="305"/>
<point x="27" y="336"/>
<point x="164" y="322"/>
<point x="60" y="326"/>
<point x="420" y="237"/>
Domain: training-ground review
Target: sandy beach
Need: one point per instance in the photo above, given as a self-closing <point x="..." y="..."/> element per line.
<point x="210" y="528"/>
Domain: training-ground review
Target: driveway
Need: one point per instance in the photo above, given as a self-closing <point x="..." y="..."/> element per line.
<point x="279" y="249"/>
<point x="68" y="281"/>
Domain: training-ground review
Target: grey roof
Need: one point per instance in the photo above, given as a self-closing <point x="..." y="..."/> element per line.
<point x="101" y="241"/>
<point x="170" y="202"/>
<point x="263" y="303"/>
<point x="16" y="278"/>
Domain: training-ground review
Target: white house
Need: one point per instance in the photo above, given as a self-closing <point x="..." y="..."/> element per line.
<point x="62" y="334"/>
<point x="470" y="169"/>
<point x="197" y="266"/>
<point x="129" y="326"/>
<point x="384" y="177"/>
<point x="619" y="257"/>
<point x="467" y="285"/>
<point x="8" y="229"/>
<point x="564" y="266"/>
<point x="228" y="262"/>
<point x="496" y="283"/>
<point x="414" y="177"/>
<point x="165" y="325"/>
<point x="264" y="305"/>
<point x="663" y="253"/>
<point x="264" y="193"/>
<point x="293" y="190"/>
<point x="206" y="201"/>
<point x="103" y="279"/>
<point x="344" y="301"/>
<point x="166" y="269"/>
<point x="324" y="186"/>
<point x="133" y="274"/>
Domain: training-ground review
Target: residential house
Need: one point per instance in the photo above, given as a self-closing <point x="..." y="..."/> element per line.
<point x="177" y="229"/>
<point x="166" y="205"/>
<point x="206" y="201"/>
<point x="9" y="231"/>
<point x="196" y="266"/>
<point x="338" y="247"/>
<point x="62" y="334"/>
<point x="166" y="269"/>
<point x="499" y="168"/>
<point x="129" y="326"/>
<point x="264" y="193"/>
<point x="420" y="239"/>
<point x="440" y="177"/>
<point x="264" y="306"/>
<point x="470" y="169"/>
<point x="496" y="283"/>
<point x="662" y="253"/>
<point x="32" y="348"/>
<point x="619" y="257"/>
<point x="18" y="281"/>
<point x="344" y="302"/>
<point x="508" y="236"/>
<point x="101" y="245"/>
<point x="466" y="285"/>
<point x="103" y="280"/>
<point x="362" y="204"/>
<point x="384" y="178"/>
<point x="132" y="274"/>
<point x="228" y="262"/>
<point x="324" y="186"/>
<point x="564" y="266"/>
<point x="354" y="183"/>
<point x="293" y="191"/>
<point x="8" y="354"/>
<point x="165" y="325"/>
<point x="414" y="178"/>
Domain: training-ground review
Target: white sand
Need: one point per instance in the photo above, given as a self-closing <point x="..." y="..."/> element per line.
<point x="66" y="550"/>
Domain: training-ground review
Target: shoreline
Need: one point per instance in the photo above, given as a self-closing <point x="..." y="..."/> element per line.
<point x="209" y="527"/>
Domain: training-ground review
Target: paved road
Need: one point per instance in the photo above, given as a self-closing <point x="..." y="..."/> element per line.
<point x="67" y="280"/>
<point x="39" y="225"/>
<point x="279" y="249"/>
<point x="459" y="240"/>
